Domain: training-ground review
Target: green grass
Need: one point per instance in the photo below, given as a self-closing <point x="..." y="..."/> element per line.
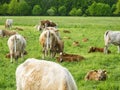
<point x="92" y="28"/>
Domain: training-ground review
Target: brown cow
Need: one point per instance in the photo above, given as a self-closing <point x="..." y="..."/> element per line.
<point x="98" y="75"/>
<point x="66" y="31"/>
<point x="96" y="49"/>
<point x="4" y="33"/>
<point x="69" y="57"/>
<point x="47" y="23"/>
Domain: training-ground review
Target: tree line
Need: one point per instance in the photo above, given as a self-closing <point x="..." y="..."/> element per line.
<point x="60" y="7"/>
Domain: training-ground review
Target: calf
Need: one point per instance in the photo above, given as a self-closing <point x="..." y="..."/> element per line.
<point x="4" y="33"/>
<point x="69" y="57"/>
<point x="16" y="44"/>
<point x="8" y="23"/>
<point x="36" y="74"/>
<point x="47" y="23"/>
<point x="111" y="37"/>
<point x="98" y="75"/>
<point x="96" y="49"/>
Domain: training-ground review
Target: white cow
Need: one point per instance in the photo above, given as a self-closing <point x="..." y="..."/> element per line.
<point x="8" y="23"/>
<point x="16" y="44"/>
<point x="36" y="74"/>
<point x="111" y="37"/>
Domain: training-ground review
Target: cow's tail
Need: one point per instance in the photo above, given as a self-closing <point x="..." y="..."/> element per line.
<point x="48" y="39"/>
<point x="15" y="44"/>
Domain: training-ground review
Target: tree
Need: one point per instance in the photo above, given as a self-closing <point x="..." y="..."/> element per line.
<point x="117" y="11"/>
<point x="4" y="9"/>
<point x="51" y="11"/>
<point x="36" y="10"/>
<point x="73" y="12"/>
<point x="62" y="10"/>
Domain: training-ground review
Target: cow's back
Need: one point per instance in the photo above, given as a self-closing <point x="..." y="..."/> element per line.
<point x="43" y="75"/>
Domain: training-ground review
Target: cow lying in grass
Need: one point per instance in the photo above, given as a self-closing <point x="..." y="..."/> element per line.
<point x="98" y="75"/>
<point x="112" y="37"/>
<point x="16" y="44"/>
<point x="4" y="33"/>
<point x="69" y="57"/>
<point x="96" y="49"/>
<point x="36" y="74"/>
<point x="13" y="55"/>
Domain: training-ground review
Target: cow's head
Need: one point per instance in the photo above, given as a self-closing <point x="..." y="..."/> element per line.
<point x="101" y="74"/>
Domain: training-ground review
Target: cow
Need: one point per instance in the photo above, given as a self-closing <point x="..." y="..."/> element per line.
<point x="18" y="28"/>
<point x="50" y="43"/>
<point x="16" y="44"/>
<point x="69" y="57"/>
<point x="76" y="43"/>
<point x="5" y="33"/>
<point x="47" y="23"/>
<point x="8" y="23"/>
<point x="98" y="75"/>
<point x="111" y="37"/>
<point x="96" y="49"/>
<point x="66" y="31"/>
<point x="34" y="74"/>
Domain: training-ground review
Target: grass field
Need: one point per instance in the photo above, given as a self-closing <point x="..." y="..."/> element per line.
<point x="92" y="28"/>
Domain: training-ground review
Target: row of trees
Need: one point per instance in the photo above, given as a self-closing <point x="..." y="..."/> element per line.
<point x="60" y="7"/>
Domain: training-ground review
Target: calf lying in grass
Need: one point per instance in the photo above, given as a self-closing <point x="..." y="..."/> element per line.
<point x="96" y="49"/>
<point x="4" y="33"/>
<point x="98" y="75"/>
<point x="69" y="57"/>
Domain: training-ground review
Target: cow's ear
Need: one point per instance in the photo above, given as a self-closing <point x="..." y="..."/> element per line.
<point x="104" y="71"/>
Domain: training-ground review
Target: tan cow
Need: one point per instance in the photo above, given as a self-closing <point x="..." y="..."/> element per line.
<point x="36" y="74"/>
<point x="98" y="75"/>
<point x="69" y="57"/>
<point x="16" y="44"/>
<point x="4" y="33"/>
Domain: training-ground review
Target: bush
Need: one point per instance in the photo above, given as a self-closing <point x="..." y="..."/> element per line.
<point x="51" y="11"/>
<point x="62" y="10"/>
<point x="99" y="9"/>
<point x="75" y="12"/>
<point x="36" y="10"/>
<point x="4" y="9"/>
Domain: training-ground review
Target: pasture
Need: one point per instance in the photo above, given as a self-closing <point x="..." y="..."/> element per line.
<point x="92" y="28"/>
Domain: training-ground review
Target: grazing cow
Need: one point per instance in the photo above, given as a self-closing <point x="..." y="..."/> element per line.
<point x="36" y="74"/>
<point x="96" y="49"/>
<point x="49" y="41"/>
<point x="16" y="44"/>
<point x="4" y="33"/>
<point x="18" y="28"/>
<point x="69" y="57"/>
<point x="111" y="37"/>
<point x="66" y="31"/>
<point x="8" y="23"/>
<point x="98" y="75"/>
<point x="47" y="23"/>
<point x="85" y="39"/>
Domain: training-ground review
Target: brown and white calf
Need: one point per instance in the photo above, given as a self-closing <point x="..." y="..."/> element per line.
<point x="69" y="57"/>
<point x="16" y="44"/>
<point x="5" y="33"/>
<point x="8" y="23"/>
<point x="47" y="23"/>
<point x="98" y="75"/>
<point x="36" y="74"/>
<point x="96" y="49"/>
<point x="111" y="37"/>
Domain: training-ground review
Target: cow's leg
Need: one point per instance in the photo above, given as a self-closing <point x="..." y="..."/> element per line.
<point x="106" y="49"/>
<point x="43" y="51"/>
<point x="11" y="57"/>
<point x="118" y="49"/>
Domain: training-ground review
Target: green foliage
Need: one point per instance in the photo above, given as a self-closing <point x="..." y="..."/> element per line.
<point x="4" y="9"/>
<point x="117" y="11"/>
<point x="51" y="11"/>
<point x="23" y="8"/>
<point x="62" y="10"/>
<point x="75" y="12"/>
<point x="36" y="10"/>
<point x="99" y="9"/>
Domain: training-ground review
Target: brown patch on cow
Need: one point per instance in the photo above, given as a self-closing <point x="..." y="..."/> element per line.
<point x="76" y="43"/>
<point x="69" y="57"/>
<point x="98" y="75"/>
<point x="85" y="39"/>
<point x="66" y="31"/>
<point x="96" y="49"/>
